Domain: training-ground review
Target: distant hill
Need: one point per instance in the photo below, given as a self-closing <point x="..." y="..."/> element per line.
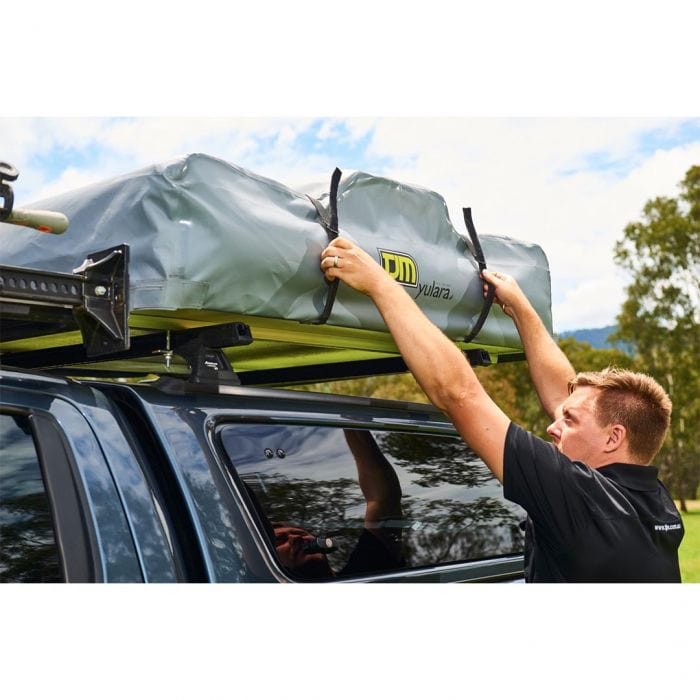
<point x="597" y="337"/>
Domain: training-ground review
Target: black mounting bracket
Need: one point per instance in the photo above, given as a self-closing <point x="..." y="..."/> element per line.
<point x="103" y="316"/>
<point x="94" y="299"/>
<point x="201" y="348"/>
<point x="478" y="357"/>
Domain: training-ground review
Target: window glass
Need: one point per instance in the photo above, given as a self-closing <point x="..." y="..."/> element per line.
<point x="377" y="500"/>
<point x="27" y="544"/>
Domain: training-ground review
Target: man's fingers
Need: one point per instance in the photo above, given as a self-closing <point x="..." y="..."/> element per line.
<point x="493" y="277"/>
<point x="336" y="256"/>
<point x="336" y="247"/>
<point x="330" y="264"/>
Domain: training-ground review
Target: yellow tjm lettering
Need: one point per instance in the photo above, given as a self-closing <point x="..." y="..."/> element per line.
<point x="401" y="267"/>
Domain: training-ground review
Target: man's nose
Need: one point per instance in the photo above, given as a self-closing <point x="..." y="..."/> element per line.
<point x="553" y="430"/>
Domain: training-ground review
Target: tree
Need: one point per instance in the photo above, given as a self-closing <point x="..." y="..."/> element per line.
<point x="400" y="387"/>
<point x="661" y="318"/>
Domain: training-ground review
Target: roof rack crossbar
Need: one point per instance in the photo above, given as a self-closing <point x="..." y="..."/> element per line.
<point x="202" y="349"/>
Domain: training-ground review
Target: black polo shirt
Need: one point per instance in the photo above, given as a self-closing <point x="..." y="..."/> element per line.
<point x="616" y="523"/>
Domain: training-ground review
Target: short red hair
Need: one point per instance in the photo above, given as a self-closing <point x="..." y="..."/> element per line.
<point x="634" y="400"/>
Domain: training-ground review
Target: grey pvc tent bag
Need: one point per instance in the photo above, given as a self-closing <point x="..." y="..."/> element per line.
<point x="208" y="235"/>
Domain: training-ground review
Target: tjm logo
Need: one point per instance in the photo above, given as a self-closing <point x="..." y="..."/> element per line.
<point x="400" y="266"/>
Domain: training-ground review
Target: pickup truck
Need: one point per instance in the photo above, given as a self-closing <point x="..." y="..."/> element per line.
<point x="131" y="450"/>
<point x="208" y="477"/>
<point x="115" y="482"/>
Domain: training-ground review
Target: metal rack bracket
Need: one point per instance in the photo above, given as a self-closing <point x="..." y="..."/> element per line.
<point x="94" y="299"/>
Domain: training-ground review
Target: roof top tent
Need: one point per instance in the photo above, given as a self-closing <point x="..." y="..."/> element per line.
<point x="209" y="243"/>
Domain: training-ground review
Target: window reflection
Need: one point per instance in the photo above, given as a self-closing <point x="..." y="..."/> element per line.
<point x="386" y="500"/>
<point x="27" y="543"/>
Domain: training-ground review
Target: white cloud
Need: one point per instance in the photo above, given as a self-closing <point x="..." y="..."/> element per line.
<point x="328" y="130"/>
<point x="593" y="303"/>
<point x="69" y="179"/>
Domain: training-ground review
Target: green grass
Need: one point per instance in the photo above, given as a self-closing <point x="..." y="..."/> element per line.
<point x="689" y="552"/>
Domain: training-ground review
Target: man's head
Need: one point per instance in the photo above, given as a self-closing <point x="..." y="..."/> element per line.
<point x="612" y="416"/>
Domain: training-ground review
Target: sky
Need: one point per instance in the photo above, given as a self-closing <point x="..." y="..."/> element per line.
<point x="569" y="184"/>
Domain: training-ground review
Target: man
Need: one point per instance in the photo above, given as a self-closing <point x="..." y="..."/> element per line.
<point x="597" y="511"/>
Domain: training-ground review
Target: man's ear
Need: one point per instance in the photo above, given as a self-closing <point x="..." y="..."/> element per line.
<point x="617" y="438"/>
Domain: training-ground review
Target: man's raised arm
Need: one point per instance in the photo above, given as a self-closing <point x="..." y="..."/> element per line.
<point x="550" y="370"/>
<point x="437" y="364"/>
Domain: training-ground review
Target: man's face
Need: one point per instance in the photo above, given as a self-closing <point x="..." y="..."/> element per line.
<point x="575" y="430"/>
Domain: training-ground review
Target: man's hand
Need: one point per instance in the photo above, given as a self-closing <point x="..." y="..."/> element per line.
<point x="343" y="260"/>
<point x="289" y="543"/>
<point x="508" y="294"/>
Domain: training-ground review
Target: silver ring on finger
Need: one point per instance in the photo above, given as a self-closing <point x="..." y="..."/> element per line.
<point x="335" y="261"/>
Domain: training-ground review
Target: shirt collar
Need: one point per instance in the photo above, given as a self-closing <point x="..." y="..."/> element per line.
<point x="634" y="476"/>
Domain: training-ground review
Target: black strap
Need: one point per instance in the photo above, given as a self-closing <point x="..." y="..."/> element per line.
<point x="479" y="256"/>
<point x="329" y="223"/>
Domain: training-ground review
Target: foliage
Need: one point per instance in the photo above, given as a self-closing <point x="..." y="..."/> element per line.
<point x="400" y="387"/>
<point x="661" y="318"/>
<point x="435" y="461"/>
<point x="689" y="552"/>
<point x="28" y="552"/>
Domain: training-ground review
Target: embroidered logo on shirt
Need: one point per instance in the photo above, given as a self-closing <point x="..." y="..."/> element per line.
<point x="666" y="528"/>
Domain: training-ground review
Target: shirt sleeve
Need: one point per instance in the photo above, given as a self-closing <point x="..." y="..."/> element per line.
<point x="547" y="484"/>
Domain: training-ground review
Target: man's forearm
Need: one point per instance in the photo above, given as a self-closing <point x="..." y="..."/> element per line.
<point x="436" y="363"/>
<point x="445" y="375"/>
<point x="550" y="370"/>
<point x="377" y="478"/>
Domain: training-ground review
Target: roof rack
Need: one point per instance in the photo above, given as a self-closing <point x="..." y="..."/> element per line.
<point x="36" y="304"/>
<point x="94" y="300"/>
<point x="202" y="349"/>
